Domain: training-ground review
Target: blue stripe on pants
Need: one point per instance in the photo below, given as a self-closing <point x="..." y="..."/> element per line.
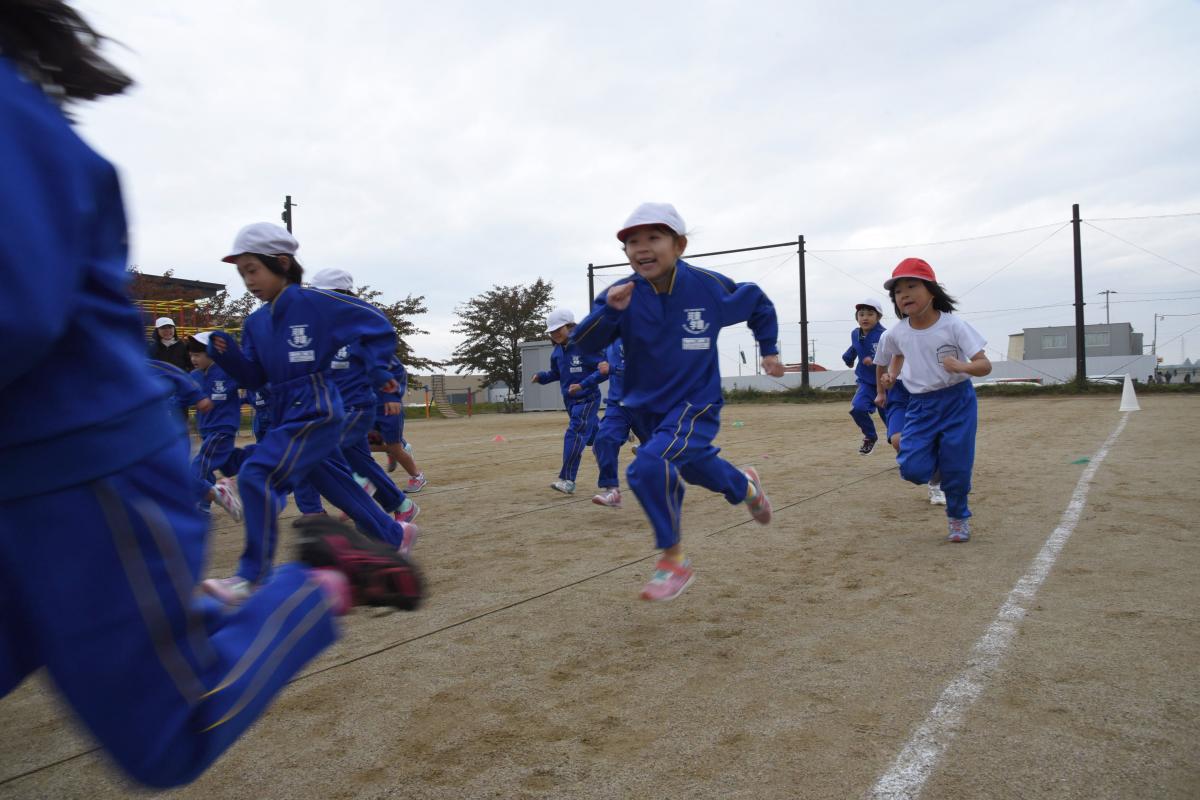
<point x="581" y="427"/>
<point x="613" y="433"/>
<point x="104" y="598"/>
<point x="939" y="436"/>
<point x="677" y="447"/>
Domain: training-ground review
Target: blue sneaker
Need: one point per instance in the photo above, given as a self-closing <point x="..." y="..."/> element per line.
<point x="960" y="530"/>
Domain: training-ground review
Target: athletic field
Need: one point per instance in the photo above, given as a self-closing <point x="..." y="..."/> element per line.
<point x="846" y="651"/>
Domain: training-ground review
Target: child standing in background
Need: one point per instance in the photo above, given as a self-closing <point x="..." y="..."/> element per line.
<point x="578" y="373"/>
<point x="668" y="315"/>
<point x="614" y="428"/>
<point x="218" y="425"/>
<point x="941" y="352"/>
<point x="863" y="340"/>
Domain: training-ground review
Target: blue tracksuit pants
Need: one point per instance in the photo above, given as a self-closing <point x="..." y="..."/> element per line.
<point x="677" y="447"/>
<point x="218" y="451"/>
<point x="355" y="457"/>
<point x="97" y="584"/>
<point x="862" y="407"/>
<point x="581" y="428"/>
<point x="613" y="432"/>
<point x="939" y="437"/>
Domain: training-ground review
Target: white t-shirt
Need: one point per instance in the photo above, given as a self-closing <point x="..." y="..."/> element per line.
<point x="923" y="351"/>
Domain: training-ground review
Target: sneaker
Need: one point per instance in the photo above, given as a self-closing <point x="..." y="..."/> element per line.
<point x="867" y="446"/>
<point x="407" y="512"/>
<point x="936" y="496"/>
<point x="231" y="591"/>
<point x="378" y="575"/>
<point x="760" y="506"/>
<point x="415" y="483"/>
<point x="392" y="464"/>
<point x="408" y="538"/>
<point x="566" y="487"/>
<point x="960" y="530"/>
<point x="228" y="498"/>
<point x="610" y="497"/>
<point x="669" y="580"/>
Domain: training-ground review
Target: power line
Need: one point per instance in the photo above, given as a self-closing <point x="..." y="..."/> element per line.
<point x="1015" y="260"/>
<point x="1144" y="250"/>
<point x="937" y="244"/>
<point x="839" y="269"/>
<point x="1159" y="216"/>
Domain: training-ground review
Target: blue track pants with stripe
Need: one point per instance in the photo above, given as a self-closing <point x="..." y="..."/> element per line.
<point x="613" y="432"/>
<point x="939" y="437"/>
<point x="581" y="428"/>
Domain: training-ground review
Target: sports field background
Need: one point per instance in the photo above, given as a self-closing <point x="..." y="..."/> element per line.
<point x="797" y="665"/>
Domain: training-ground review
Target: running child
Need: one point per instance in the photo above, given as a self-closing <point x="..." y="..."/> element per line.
<point x="614" y="428"/>
<point x="863" y="340"/>
<point x="577" y="371"/>
<point x="287" y="345"/>
<point x="389" y="423"/>
<point x="941" y="352"/>
<point x="893" y="405"/>
<point x="218" y="425"/>
<point x="100" y="550"/>
<point x="668" y="315"/>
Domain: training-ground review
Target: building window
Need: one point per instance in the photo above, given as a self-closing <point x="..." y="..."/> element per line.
<point x="1054" y="341"/>
<point x="1095" y="339"/>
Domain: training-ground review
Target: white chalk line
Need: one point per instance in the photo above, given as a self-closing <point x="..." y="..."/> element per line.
<point x="920" y="755"/>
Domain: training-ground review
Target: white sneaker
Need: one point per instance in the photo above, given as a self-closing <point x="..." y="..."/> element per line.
<point x="936" y="496"/>
<point x="610" y="497"/>
<point x="228" y="498"/>
<point x="566" y="487"/>
<point x="230" y="591"/>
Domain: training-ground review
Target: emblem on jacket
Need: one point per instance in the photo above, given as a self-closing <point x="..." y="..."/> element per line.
<point x="695" y="321"/>
<point x="576" y="364"/>
<point x="299" y="337"/>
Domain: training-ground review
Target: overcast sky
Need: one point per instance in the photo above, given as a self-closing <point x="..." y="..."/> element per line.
<point x="440" y="148"/>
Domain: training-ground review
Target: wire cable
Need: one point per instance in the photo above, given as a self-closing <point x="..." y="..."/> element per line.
<point x="1144" y="250"/>
<point x="937" y="244"/>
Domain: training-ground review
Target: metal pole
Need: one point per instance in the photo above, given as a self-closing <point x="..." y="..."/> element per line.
<point x="287" y="212"/>
<point x="1080" y="354"/>
<point x="803" y="317"/>
<point x="591" y="289"/>
<point x="1106" y="293"/>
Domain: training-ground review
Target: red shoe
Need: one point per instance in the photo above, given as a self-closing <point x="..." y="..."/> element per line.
<point x="378" y="575"/>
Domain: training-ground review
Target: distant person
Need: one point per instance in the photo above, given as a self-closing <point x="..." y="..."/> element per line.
<point x="1169" y="375"/>
<point x="165" y="346"/>
<point x="863" y="340"/>
<point x="1187" y="377"/>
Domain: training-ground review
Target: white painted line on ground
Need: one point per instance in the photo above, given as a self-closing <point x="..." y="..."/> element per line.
<point x="929" y="742"/>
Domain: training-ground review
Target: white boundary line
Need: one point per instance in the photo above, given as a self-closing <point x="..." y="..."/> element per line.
<point x="924" y="749"/>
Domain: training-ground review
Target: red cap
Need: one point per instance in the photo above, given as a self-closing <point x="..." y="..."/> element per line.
<point x="910" y="268"/>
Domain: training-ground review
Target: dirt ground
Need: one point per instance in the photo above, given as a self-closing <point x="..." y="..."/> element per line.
<point x="797" y="665"/>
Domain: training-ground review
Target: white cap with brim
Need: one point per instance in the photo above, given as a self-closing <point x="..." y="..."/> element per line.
<point x="870" y="302"/>
<point x="333" y="279"/>
<point x="559" y="317"/>
<point x="161" y="321"/>
<point x="653" y="214"/>
<point x="202" y="337"/>
<point x="264" y="239"/>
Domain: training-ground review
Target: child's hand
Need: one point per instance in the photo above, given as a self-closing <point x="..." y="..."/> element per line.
<point x="881" y="399"/>
<point x="574" y="388"/>
<point x="868" y="362"/>
<point x="204" y="405"/>
<point x="391" y="409"/>
<point x="219" y="344"/>
<point x="534" y="379"/>
<point x="772" y="366"/>
<point x="603" y="367"/>
<point x="952" y="364"/>
<point x="619" y="297"/>
<point x="887" y="381"/>
<point x="391" y="387"/>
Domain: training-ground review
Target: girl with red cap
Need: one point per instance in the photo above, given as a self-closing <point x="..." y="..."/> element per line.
<point x="940" y="353"/>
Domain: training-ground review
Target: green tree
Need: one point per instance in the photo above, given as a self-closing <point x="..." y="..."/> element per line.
<point x="494" y="324"/>
<point x="401" y="314"/>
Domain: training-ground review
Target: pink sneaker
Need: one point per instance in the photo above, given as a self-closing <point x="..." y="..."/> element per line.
<point x="231" y="591"/>
<point x="760" y="506"/>
<point x="669" y="580"/>
<point x="609" y="497"/>
<point x="408" y="538"/>
<point x="408" y="511"/>
<point x="416" y="483"/>
<point x="336" y="588"/>
<point x="228" y="498"/>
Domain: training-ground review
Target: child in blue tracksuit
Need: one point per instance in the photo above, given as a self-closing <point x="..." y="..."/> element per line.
<point x="614" y="429"/>
<point x="578" y="373"/>
<point x="389" y="423"/>
<point x="217" y="424"/>
<point x="863" y="340"/>
<point x="287" y="345"/>
<point x="668" y="316"/>
<point x="940" y="353"/>
<point x="100" y="547"/>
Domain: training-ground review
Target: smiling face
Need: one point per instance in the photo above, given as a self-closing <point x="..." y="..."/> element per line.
<point x="912" y="297"/>
<point x="866" y="317"/>
<point x="652" y="250"/>
<point x="560" y="335"/>
<point x="260" y="281"/>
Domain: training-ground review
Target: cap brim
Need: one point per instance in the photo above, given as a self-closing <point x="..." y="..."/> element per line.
<point x="890" y="282"/>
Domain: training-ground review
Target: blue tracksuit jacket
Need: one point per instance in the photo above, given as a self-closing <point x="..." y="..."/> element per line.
<point x="863" y="346"/>
<point x="226" y="414"/>
<point x="185" y="391"/>
<point x="570" y="365"/>
<point x="615" y="356"/>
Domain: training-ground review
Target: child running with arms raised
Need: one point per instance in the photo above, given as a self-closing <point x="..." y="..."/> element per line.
<point x="940" y="354"/>
<point x="668" y="316"/>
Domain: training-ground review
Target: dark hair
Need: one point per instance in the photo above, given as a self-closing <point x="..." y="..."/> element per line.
<point x="941" y="300"/>
<point x="194" y="345"/>
<point x="661" y="228"/>
<point x="294" y="273"/>
<point x="54" y="46"/>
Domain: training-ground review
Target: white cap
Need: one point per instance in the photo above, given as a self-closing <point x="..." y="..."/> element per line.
<point x="653" y="214"/>
<point x="872" y="303"/>
<point x="202" y="337"/>
<point x="264" y="239"/>
<point x="332" y="279"/>
<point x="158" y="323"/>
<point x="559" y="317"/>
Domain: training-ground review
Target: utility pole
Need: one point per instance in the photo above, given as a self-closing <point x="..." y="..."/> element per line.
<point x="1080" y="353"/>
<point x="1154" y="345"/>
<point x="1106" y="293"/>
<point x="286" y="216"/>
<point x="812" y="349"/>
<point x="804" y="358"/>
